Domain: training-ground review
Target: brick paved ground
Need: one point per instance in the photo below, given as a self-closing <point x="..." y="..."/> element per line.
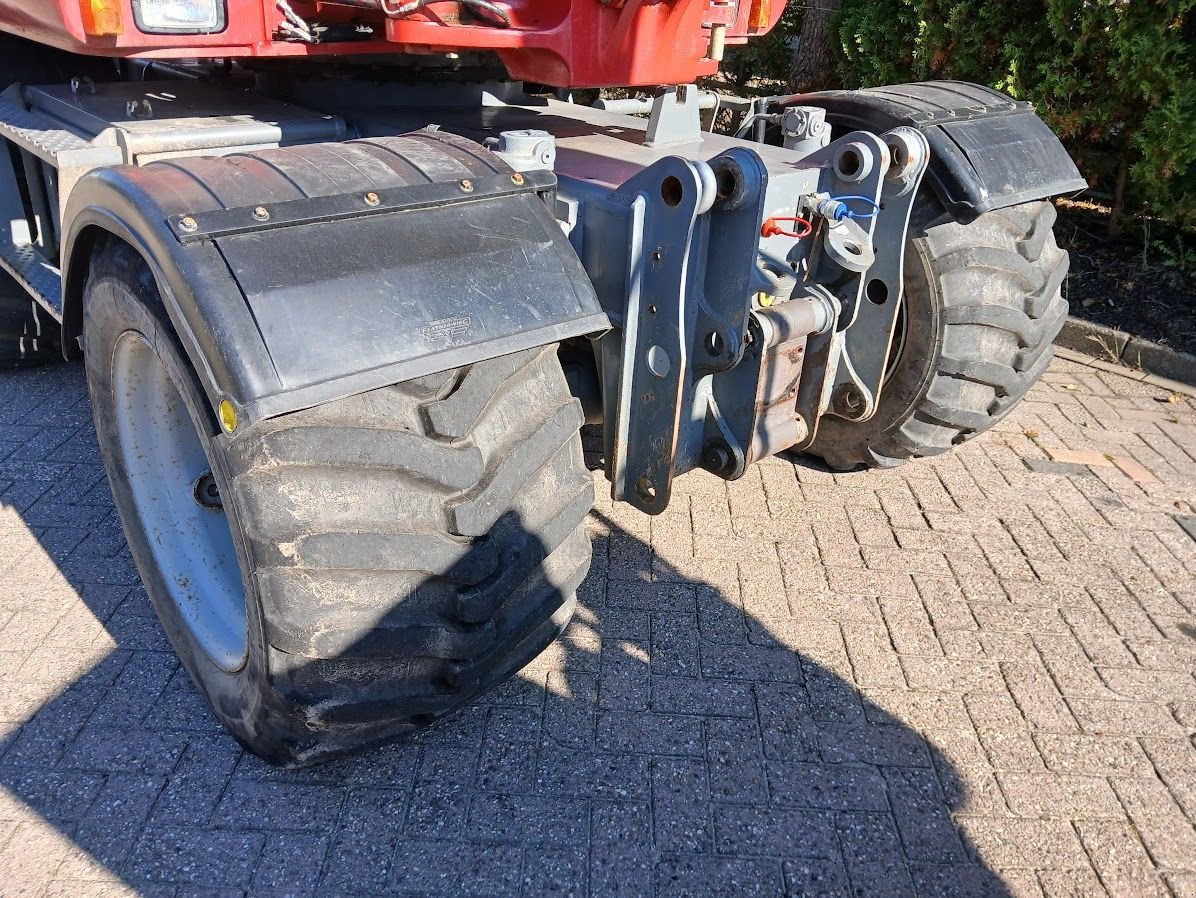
<point x="966" y="677"/>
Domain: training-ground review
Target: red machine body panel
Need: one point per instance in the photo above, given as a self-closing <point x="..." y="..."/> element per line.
<point x="564" y="43"/>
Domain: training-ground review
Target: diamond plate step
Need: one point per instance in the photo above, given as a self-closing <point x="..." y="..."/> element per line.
<point x="36" y="134"/>
<point x="35" y="274"/>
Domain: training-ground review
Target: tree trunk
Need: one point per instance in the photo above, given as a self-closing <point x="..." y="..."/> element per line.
<point x="1119" y="185"/>
<point x="813" y="67"/>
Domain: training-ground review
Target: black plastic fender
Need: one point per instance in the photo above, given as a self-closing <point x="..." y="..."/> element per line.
<point x="987" y="151"/>
<point x="302" y="275"/>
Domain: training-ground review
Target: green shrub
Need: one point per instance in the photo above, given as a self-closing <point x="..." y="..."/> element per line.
<point x="1115" y="78"/>
<point x="766" y="59"/>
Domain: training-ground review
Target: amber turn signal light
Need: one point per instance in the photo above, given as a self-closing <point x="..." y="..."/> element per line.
<point x="101" y="18"/>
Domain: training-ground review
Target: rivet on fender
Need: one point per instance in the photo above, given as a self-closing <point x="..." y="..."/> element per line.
<point x="228" y="416"/>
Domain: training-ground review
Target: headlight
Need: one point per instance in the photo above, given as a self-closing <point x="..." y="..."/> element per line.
<point x="179" y="16"/>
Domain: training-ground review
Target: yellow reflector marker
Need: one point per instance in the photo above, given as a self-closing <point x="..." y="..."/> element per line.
<point x="101" y="18"/>
<point x="760" y="14"/>
<point x="228" y="416"/>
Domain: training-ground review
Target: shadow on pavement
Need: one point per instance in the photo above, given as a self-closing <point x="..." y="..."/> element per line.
<point x="669" y="744"/>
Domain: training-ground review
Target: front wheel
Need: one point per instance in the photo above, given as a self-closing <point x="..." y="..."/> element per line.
<point x="981" y="307"/>
<point x="341" y="575"/>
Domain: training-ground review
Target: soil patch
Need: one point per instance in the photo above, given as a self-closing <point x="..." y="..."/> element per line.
<point x="1143" y="286"/>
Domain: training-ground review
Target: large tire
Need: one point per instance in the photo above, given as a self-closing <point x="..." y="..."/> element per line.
<point x="400" y="550"/>
<point x="28" y="335"/>
<point x="981" y="308"/>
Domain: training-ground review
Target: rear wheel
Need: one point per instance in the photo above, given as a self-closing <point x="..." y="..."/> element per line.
<point x="341" y="575"/>
<point x="981" y="307"/>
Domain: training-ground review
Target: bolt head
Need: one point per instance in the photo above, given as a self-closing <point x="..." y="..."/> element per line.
<point x="372" y="199"/>
<point x="517" y="178"/>
<point x="848" y="402"/>
<point x="467" y="186"/>
<point x="261" y="213"/>
<point x="716" y="457"/>
<point x="187" y="223"/>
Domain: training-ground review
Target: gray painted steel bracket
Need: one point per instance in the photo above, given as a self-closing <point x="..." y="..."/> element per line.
<point x="860" y="375"/>
<point x="826" y="278"/>
<point x="681" y="300"/>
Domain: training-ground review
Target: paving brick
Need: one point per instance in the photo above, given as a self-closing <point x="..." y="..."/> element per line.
<point x="873" y="855"/>
<point x="1079" y="883"/>
<point x="198" y="856"/>
<point x="754" y="663"/>
<point x="909" y="627"/>
<point x="1078" y="457"/>
<point x="621" y="857"/>
<point x="681" y="803"/>
<point x="1175" y="762"/>
<point x="453" y="868"/>
<point x="279" y="806"/>
<point x="1016" y="842"/>
<point x="764" y="831"/>
<point x="953" y="675"/>
<point x="816" y="878"/>
<point x="1092" y="755"/>
<point x="291" y="862"/>
<point x="693" y="876"/>
<point x="1061" y="468"/>
<point x="952" y="880"/>
<point x="529" y="820"/>
<point x="1038" y="697"/>
<point x="1119" y="859"/>
<point x="712" y="698"/>
<point x="787" y="725"/>
<point x="859" y="742"/>
<point x="31" y="855"/>
<point x="553" y="873"/>
<point x="1054" y="795"/>
<point x="922" y="814"/>
<point x="735" y="762"/>
<point x="919" y="680"/>
<point x="1167" y="834"/>
<point x="1125" y="718"/>
<point x="1141" y="684"/>
<point x="359" y="857"/>
<point x="873" y="662"/>
<point x="1134" y="470"/>
<point x="1001" y="728"/>
<point x="624" y="683"/>
<point x="120" y="808"/>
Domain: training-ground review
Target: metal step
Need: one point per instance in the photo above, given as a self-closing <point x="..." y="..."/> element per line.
<point x="39" y="135"/>
<point x="31" y="270"/>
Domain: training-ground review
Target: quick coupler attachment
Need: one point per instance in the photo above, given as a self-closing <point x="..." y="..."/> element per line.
<point x="732" y="286"/>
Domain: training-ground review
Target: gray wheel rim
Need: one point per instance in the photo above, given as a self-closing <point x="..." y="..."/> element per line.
<point x="185" y="527"/>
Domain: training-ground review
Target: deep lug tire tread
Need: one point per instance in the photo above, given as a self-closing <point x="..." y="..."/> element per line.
<point x="488" y="465"/>
<point x="988" y="295"/>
